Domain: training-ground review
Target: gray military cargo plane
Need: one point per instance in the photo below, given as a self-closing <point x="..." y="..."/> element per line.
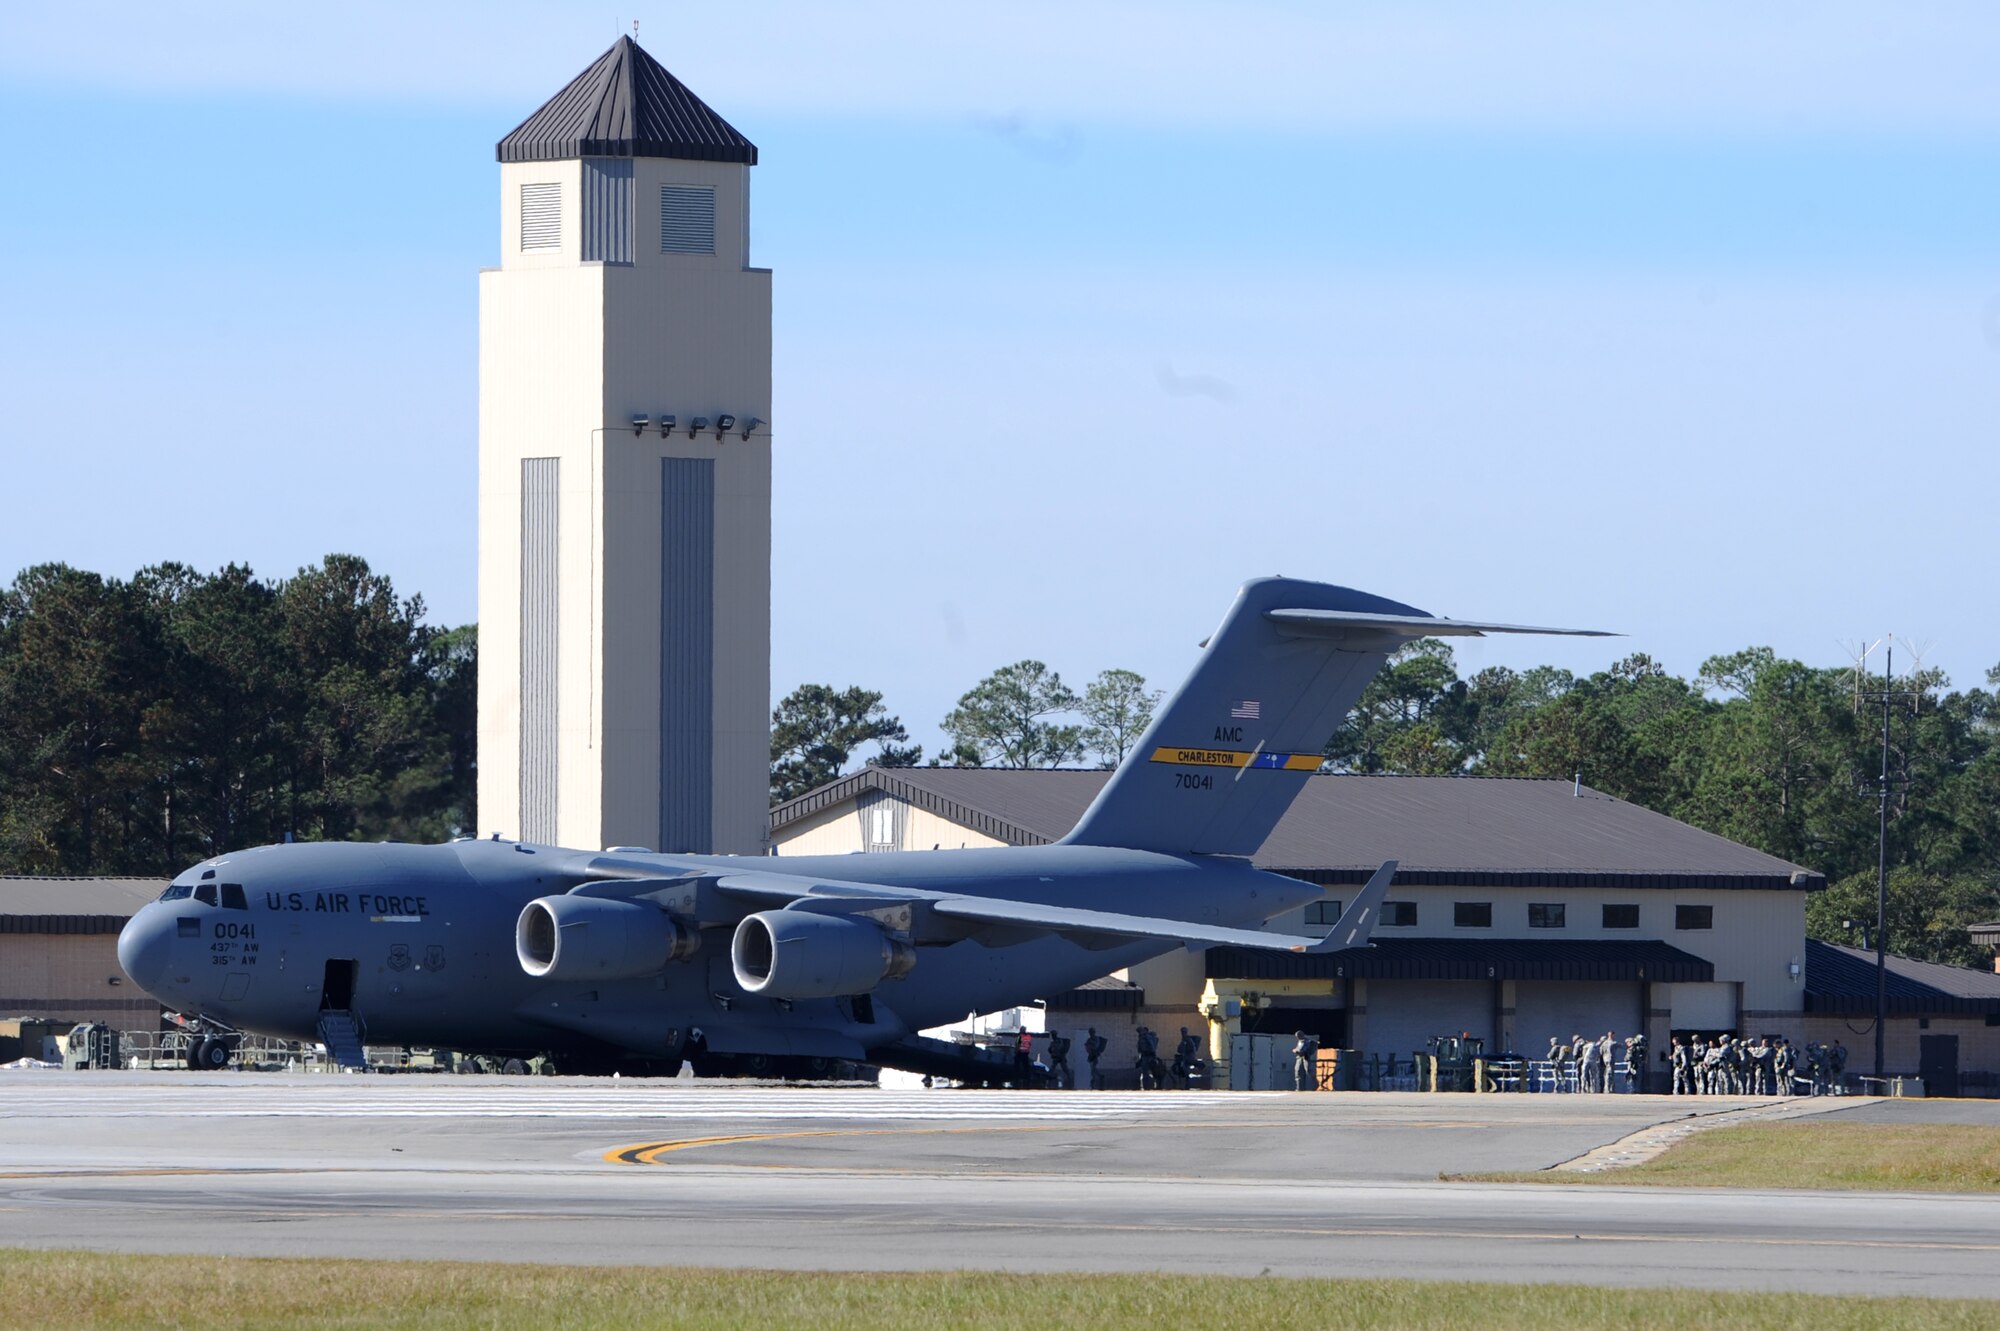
<point x="631" y="959"/>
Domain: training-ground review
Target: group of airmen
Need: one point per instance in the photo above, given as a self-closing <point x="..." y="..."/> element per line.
<point x="1760" y="1065"/>
<point x="1592" y="1065"/>
<point x="1725" y="1065"/>
<point x="1154" y="1072"/>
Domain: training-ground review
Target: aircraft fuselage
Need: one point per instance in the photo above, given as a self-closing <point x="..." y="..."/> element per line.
<point x="419" y="942"/>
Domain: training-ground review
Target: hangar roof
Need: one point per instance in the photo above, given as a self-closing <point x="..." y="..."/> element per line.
<point x="1445" y="830"/>
<point x="625" y="105"/>
<point x="1842" y="980"/>
<point x="72" y="905"/>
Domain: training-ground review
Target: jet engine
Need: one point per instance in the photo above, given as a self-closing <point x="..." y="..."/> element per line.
<point x="592" y="938"/>
<point x="800" y="954"/>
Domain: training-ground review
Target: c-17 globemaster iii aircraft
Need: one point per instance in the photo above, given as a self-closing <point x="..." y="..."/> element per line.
<point x="632" y="959"/>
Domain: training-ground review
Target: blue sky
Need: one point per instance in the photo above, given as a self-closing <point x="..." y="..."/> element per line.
<point x="1685" y="325"/>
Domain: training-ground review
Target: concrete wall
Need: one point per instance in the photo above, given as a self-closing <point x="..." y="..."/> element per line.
<point x="1978" y="1043"/>
<point x="71" y="976"/>
<point x="1756" y="938"/>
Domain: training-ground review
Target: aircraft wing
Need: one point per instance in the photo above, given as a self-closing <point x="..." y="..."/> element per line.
<point x="1357" y="922"/>
<point x="769" y="891"/>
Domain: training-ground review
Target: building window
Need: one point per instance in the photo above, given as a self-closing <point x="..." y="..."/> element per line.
<point x="1545" y="914"/>
<point x="882" y="824"/>
<point x="1694" y="917"/>
<point x="1325" y="913"/>
<point x="1400" y="914"/>
<point x="1472" y="914"/>
<point x="1621" y="917"/>
<point x="541" y="216"/>
<point x="687" y="219"/>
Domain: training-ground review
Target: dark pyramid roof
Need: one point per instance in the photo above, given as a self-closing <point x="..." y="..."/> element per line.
<point x="626" y="105"/>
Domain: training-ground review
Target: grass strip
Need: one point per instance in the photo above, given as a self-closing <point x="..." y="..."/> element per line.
<point x="1808" y="1153"/>
<point x="80" y="1291"/>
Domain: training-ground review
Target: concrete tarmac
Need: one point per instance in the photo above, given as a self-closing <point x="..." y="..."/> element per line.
<point x="713" y="1174"/>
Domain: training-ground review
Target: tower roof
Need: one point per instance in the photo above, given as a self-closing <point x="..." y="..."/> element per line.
<point x="626" y="105"/>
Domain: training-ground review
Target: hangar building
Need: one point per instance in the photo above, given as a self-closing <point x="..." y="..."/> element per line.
<point x="59" y="950"/>
<point x="1523" y="909"/>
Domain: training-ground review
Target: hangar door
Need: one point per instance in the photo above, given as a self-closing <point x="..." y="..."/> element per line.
<point x="1405" y="1015"/>
<point x="1543" y="1008"/>
<point x="1710" y="1007"/>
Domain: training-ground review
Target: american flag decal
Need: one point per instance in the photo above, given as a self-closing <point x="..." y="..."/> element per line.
<point x="1247" y="710"/>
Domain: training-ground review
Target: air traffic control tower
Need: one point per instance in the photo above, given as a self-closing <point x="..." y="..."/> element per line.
<point x="625" y="476"/>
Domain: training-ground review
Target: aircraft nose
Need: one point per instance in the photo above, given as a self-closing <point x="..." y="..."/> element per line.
<point x="144" y="945"/>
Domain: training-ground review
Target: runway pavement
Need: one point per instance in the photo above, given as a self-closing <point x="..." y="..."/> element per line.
<point x="861" y="1179"/>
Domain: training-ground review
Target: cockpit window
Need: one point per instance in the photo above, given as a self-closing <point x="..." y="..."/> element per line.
<point x="177" y="892"/>
<point x="232" y="897"/>
<point x="205" y="894"/>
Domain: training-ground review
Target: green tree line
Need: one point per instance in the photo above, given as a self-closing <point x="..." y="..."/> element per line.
<point x="1021" y="715"/>
<point x="148" y="723"/>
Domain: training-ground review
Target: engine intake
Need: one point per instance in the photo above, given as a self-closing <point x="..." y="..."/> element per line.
<point x="592" y="938"/>
<point x="800" y="954"/>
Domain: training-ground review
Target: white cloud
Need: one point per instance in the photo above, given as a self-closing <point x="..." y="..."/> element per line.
<point x="1785" y="66"/>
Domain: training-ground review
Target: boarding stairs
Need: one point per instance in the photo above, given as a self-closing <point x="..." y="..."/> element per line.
<point x="340" y="1032"/>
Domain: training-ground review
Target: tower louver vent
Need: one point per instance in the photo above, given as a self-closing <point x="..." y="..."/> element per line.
<point x="541" y="216"/>
<point x="687" y="219"/>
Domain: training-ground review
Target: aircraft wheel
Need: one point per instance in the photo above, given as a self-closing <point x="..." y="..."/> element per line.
<point x="514" y="1067"/>
<point x="213" y="1054"/>
<point x="759" y="1065"/>
<point x="819" y="1069"/>
<point x="196" y="1048"/>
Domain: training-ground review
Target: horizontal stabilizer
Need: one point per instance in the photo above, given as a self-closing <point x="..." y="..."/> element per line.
<point x="1333" y="623"/>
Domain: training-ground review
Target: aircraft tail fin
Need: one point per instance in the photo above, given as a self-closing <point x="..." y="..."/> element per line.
<point x="1229" y="752"/>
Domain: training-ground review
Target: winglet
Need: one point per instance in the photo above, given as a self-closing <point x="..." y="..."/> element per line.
<point x="1357" y="922"/>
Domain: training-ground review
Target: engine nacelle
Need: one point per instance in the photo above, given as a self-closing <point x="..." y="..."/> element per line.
<point x="593" y="938"/>
<point x="800" y="954"/>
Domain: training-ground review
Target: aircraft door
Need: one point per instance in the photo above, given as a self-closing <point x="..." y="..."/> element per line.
<point x="336" y="993"/>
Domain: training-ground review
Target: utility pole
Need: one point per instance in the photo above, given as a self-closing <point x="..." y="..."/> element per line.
<point x="1882" y="871"/>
